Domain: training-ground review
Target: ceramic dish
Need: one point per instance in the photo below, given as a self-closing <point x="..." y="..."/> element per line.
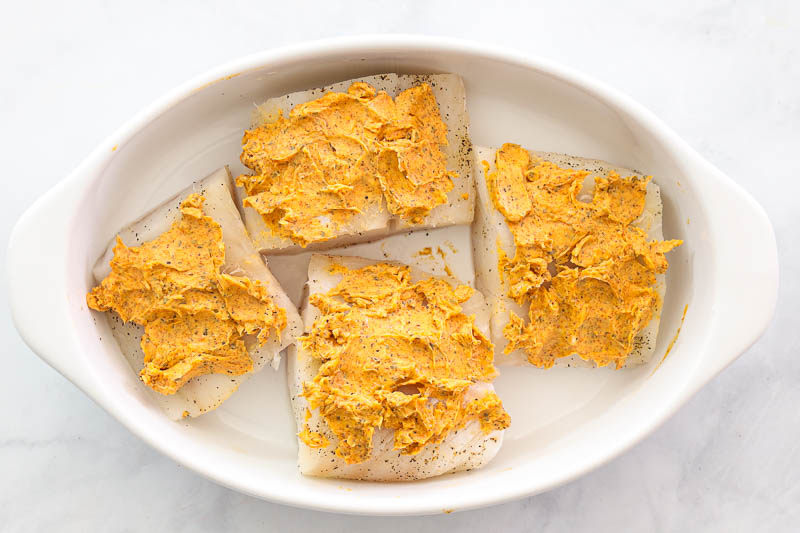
<point x="565" y="421"/>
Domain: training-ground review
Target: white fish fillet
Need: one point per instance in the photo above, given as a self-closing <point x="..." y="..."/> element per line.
<point x="490" y="231"/>
<point x="204" y="393"/>
<point x="450" y="95"/>
<point x="464" y="449"/>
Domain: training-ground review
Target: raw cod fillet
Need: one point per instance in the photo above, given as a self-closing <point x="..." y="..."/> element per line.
<point x="451" y="98"/>
<point x="464" y="449"/>
<point x="204" y="393"/>
<point x="490" y="230"/>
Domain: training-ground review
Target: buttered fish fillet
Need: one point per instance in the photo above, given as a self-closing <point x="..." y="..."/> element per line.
<point x="464" y="449"/>
<point x="490" y="231"/>
<point x="204" y="393"/>
<point x="459" y="207"/>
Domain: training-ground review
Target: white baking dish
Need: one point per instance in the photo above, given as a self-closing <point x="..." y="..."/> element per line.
<point x="565" y="421"/>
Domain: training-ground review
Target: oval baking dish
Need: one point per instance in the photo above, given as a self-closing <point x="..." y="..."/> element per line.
<point x="565" y="421"/>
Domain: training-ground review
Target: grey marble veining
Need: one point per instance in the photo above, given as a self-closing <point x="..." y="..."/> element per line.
<point x="724" y="74"/>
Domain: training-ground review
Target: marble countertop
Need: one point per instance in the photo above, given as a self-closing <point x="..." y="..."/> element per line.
<point x="724" y="74"/>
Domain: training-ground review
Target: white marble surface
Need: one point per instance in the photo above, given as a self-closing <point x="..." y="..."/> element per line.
<point x="725" y="75"/>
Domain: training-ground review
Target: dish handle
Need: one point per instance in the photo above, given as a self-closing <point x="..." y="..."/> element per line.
<point x="37" y="279"/>
<point x="746" y="288"/>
